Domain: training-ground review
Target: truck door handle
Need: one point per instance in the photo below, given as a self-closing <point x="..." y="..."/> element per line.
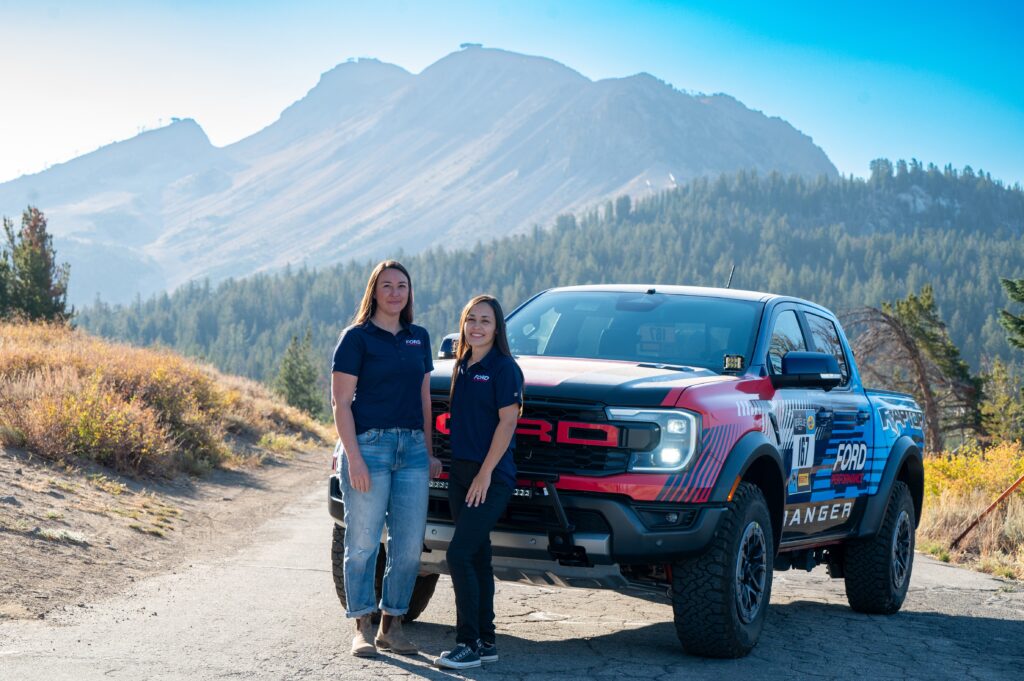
<point x="862" y="416"/>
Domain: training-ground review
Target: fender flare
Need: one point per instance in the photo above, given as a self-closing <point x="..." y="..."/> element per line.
<point x="757" y="458"/>
<point x="905" y="453"/>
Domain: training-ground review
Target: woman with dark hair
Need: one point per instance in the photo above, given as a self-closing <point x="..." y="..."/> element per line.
<point x="380" y="393"/>
<point x="486" y="398"/>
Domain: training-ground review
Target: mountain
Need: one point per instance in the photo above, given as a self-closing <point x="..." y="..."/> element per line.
<point x="481" y="144"/>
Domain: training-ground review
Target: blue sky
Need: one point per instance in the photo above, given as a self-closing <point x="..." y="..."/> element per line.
<point x="940" y="82"/>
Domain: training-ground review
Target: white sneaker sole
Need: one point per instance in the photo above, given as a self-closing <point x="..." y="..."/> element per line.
<point x="445" y="663"/>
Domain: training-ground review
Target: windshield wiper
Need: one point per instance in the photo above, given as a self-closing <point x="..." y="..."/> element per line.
<point x="670" y="367"/>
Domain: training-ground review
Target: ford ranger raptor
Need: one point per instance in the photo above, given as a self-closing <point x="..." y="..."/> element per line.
<point x="691" y="441"/>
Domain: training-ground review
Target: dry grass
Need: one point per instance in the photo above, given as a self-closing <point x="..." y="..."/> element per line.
<point x="282" y="443"/>
<point x="960" y="486"/>
<point x="68" y="536"/>
<point x="66" y="395"/>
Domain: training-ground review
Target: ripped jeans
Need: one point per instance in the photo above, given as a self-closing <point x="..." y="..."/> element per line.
<point x="399" y="479"/>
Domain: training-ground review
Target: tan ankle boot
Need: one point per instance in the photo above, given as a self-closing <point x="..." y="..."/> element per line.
<point x="391" y="637"/>
<point x="362" y="642"/>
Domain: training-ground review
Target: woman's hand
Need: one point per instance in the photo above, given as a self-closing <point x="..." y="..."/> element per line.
<point x="435" y="466"/>
<point x="477" y="493"/>
<point x="358" y="474"/>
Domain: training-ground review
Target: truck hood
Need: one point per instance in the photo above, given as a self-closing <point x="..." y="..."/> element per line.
<point x="609" y="382"/>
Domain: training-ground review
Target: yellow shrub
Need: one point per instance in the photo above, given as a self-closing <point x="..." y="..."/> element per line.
<point x="958" y="487"/>
<point x="974" y="469"/>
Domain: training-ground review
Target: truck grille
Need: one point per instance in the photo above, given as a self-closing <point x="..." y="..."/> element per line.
<point x="535" y="456"/>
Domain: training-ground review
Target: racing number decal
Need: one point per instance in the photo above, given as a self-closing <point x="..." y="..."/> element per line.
<point x="803" y="441"/>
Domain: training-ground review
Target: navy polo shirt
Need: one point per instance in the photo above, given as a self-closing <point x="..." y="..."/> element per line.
<point x="480" y="391"/>
<point x="389" y="370"/>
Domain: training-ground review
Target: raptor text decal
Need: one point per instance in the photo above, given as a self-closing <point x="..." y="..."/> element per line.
<point x="899" y="420"/>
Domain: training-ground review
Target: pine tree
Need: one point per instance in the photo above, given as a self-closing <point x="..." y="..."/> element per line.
<point x="1002" y="411"/>
<point x="1014" y="324"/>
<point x="906" y="346"/>
<point x="36" y="286"/>
<point x="5" y="283"/>
<point x="297" y="379"/>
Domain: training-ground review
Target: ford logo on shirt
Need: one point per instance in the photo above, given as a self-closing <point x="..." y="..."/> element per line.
<point x="414" y="341"/>
<point x="481" y="378"/>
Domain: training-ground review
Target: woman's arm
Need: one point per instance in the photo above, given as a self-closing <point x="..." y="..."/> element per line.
<point x="428" y="427"/>
<point x="343" y="388"/>
<point x="507" y="419"/>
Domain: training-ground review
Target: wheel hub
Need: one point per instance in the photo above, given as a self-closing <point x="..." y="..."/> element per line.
<point x="751" y="572"/>
<point x="901" y="542"/>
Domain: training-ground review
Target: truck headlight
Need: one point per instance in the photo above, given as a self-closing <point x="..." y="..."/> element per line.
<point x="678" y="442"/>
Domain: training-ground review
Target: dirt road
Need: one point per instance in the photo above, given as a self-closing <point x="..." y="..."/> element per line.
<point x="268" y="611"/>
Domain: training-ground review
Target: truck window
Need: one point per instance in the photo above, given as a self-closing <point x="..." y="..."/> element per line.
<point x="681" y="330"/>
<point x="786" y="337"/>
<point x="826" y="339"/>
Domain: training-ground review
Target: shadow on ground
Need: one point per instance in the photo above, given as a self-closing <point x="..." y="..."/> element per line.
<point x="801" y="640"/>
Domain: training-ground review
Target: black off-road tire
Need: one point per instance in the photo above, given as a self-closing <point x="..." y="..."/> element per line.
<point x="877" y="569"/>
<point x="422" y="591"/>
<point x="718" y="612"/>
<point x="421" y="595"/>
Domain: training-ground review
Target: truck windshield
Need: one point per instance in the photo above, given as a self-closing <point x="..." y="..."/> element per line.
<point x="659" y="328"/>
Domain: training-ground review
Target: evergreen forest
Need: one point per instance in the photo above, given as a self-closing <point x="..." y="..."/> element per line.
<point x="844" y="243"/>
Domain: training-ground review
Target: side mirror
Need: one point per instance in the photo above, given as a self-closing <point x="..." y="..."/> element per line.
<point x="808" y="370"/>
<point x="447" y="349"/>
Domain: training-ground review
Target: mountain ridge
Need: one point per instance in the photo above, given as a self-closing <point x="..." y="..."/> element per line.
<point x="480" y="144"/>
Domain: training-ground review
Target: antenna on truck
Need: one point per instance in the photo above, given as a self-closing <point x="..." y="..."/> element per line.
<point x="728" y="284"/>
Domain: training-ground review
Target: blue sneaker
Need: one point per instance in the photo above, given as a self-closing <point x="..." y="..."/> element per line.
<point x="459" y="657"/>
<point x="488" y="652"/>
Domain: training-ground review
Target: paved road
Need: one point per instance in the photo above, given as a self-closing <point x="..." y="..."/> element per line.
<point x="269" y="612"/>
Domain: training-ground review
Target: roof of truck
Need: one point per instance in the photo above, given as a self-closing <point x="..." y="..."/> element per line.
<point x="732" y="293"/>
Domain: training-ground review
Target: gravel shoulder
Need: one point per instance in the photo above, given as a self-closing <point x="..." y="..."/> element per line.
<point x="84" y="534"/>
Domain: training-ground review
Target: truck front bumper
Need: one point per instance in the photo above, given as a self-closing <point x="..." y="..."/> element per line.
<point x="610" y="531"/>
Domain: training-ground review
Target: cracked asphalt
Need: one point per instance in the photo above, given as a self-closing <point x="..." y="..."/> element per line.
<point x="269" y="612"/>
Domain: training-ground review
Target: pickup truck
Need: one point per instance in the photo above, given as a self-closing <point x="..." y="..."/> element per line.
<point x="690" y="441"/>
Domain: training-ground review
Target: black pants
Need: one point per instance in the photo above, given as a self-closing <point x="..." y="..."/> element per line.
<point x="469" y="554"/>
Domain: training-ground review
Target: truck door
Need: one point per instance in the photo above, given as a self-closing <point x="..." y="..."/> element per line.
<point x="849" y="450"/>
<point x="803" y="418"/>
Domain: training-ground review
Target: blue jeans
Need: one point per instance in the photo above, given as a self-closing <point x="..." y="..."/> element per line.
<point x="399" y="479"/>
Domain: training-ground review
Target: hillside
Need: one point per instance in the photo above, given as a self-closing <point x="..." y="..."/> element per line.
<point x="97" y="441"/>
<point x="484" y="143"/>
<point x="72" y="398"/>
<point x="844" y="243"/>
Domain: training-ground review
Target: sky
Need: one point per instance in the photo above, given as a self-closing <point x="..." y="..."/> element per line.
<point x="941" y="82"/>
